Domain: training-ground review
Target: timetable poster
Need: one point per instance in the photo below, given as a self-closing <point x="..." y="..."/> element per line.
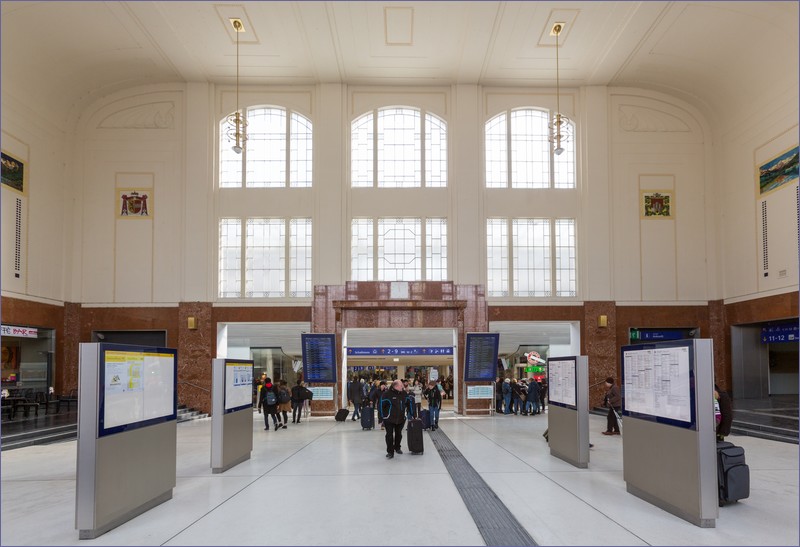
<point x="658" y="382"/>
<point x="137" y="386"/>
<point x="238" y="385"/>
<point x="319" y="358"/>
<point x="561" y="382"/>
<point x="480" y="360"/>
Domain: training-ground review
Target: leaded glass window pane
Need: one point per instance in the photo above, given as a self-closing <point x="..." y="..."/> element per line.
<point x="399" y="249"/>
<point x="399" y="148"/>
<point x="497" y="257"/>
<point x="230" y="258"/>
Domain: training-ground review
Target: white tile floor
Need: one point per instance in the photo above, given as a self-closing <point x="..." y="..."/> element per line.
<point x="328" y="483"/>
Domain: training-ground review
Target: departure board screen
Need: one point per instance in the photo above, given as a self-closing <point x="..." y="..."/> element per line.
<point x="480" y="357"/>
<point x="319" y="358"/>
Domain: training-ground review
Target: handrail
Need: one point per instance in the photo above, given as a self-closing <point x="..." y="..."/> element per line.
<point x="194" y="385"/>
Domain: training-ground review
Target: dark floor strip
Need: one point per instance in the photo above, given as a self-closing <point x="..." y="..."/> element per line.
<point x="494" y="521"/>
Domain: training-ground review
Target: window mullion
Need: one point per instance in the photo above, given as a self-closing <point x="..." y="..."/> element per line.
<point x="508" y="150"/>
<point x="422" y="181"/>
<point x="288" y="169"/>
<point x="287" y="240"/>
<point x="244" y="157"/>
<point x="510" y="265"/>
<point x="424" y="247"/>
<point x="243" y="254"/>
<point x="375" y="183"/>
<point x="553" y="259"/>
<point x="375" y="226"/>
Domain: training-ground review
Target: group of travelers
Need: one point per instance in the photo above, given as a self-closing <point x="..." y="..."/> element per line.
<point x="525" y="397"/>
<point x="362" y="393"/>
<point x="276" y="400"/>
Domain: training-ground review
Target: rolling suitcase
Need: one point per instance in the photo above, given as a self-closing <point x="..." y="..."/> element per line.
<point x="341" y="414"/>
<point x="367" y="417"/>
<point x="414" y="434"/>
<point x="733" y="474"/>
<point x="425" y="418"/>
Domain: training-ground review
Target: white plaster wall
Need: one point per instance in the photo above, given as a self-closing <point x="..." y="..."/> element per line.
<point x="131" y="139"/>
<point x="658" y="143"/>
<point x="166" y="136"/>
<point x="46" y="204"/>
<point x="746" y="143"/>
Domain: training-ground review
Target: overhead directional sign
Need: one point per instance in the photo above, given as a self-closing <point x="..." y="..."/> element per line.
<point x="398" y="351"/>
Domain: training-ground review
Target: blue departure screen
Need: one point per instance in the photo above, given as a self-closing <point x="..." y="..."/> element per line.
<point x="480" y="357"/>
<point x="319" y="358"/>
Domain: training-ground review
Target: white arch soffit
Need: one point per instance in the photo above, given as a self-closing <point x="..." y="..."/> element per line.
<point x="514" y="334"/>
<point x="410" y="337"/>
<point x="284" y="335"/>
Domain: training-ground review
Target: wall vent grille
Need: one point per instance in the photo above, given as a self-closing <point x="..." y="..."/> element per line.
<point x="18" y="238"/>
<point x="764" y="242"/>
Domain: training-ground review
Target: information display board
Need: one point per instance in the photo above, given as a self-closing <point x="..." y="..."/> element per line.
<point x="658" y="383"/>
<point x="480" y="356"/>
<point x="137" y="387"/>
<point x="322" y="393"/>
<point x="319" y="358"/>
<point x="562" y="382"/>
<point x="238" y="385"/>
<point x="480" y="392"/>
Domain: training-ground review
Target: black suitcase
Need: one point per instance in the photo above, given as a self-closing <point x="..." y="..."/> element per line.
<point x="341" y="414"/>
<point x="425" y="417"/>
<point x="733" y="474"/>
<point x="367" y="417"/>
<point x="414" y="434"/>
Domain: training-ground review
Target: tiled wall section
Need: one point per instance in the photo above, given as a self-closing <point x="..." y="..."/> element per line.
<point x="74" y="324"/>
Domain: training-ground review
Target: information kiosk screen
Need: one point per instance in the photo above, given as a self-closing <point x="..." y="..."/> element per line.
<point x="137" y="387"/>
<point x="659" y="383"/>
<point x="238" y="385"/>
<point x="562" y="382"/>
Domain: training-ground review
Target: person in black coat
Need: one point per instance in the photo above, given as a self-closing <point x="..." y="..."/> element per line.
<point x="393" y="411"/>
<point x="270" y="403"/>
<point x="354" y="394"/>
<point x="613" y="400"/>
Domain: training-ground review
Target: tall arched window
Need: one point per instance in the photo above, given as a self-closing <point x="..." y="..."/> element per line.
<point x="278" y="152"/>
<point x="519" y="153"/>
<point x="398" y="147"/>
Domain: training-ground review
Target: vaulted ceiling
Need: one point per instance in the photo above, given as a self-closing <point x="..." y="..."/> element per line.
<point x="724" y="57"/>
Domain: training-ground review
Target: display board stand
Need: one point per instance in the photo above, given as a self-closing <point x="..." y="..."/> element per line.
<point x="231" y="432"/>
<point x="675" y="467"/>
<point x="120" y="475"/>
<point x="568" y="425"/>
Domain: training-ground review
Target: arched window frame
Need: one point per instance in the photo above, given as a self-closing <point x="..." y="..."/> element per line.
<point x="368" y="169"/>
<point x="290" y="154"/>
<point x="508" y="158"/>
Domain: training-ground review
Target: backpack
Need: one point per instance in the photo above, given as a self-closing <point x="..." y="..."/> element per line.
<point x="308" y="394"/>
<point x="284" y="397"/>
<point x="269" y="398"/>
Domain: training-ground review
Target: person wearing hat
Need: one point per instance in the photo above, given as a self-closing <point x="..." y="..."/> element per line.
<point x="613" y="400"/>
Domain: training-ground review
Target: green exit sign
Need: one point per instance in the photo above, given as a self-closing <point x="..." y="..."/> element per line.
<point x="534" y="369"/>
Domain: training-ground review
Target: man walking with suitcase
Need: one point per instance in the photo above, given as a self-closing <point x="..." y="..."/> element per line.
<point x="393" y="411"/>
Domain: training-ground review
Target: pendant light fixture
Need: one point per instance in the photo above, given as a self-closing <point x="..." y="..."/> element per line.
<point x="237" y="122"/>
<point x="560" y="126"/>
